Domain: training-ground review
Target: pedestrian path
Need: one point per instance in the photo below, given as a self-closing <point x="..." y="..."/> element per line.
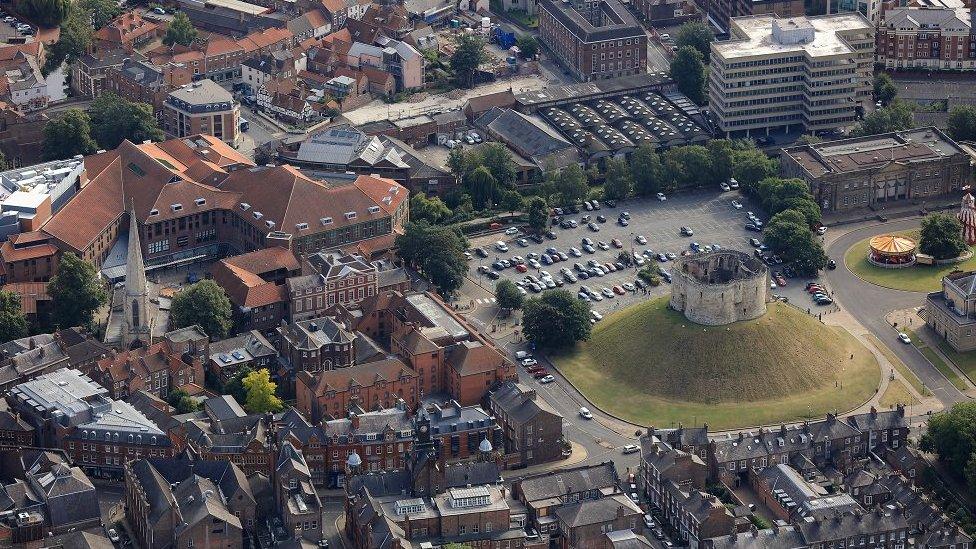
<point x="485" y="301"/>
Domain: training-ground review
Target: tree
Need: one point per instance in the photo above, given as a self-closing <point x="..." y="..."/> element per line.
<point x="962" y="123"/>
<point x="555" y="320"/>
<point x="951" y="435"/>
<point x="4" y="163"/>
<point x="688" y="73"/>
<point x="204" y="304"/>
<point x="808" y="139"/>
<point x="528" y="45"/>
<point x="457" y="162"/>
<point x="432" y="209"/>
<point x="895" y="117"/>
<point x="789" y="235"/>
<point x="114" y="119"/>
<point x="618" y="184"/>
<point x="235" y="385"/>
<point x="495" y="157"/>
<point x="181" y="400"/>
<point x="467" y="57"/>
<point x="13" y="323"/>
<point x="697" y="35"/>
<point x="508" y="295"/>
<point x="260" y="393"/>
<point x="511" y="200"/>
<point x="180" y="31"/>
<point x="102" y="11"/>
<point x="884" y="88"/>
<point x="76" y="292"/>
<point x="941" y="236"/>
<point x="482" y="187"/>
<point x="571" y="185"/>
<point x="686" y="167"/>
<point x="68" y="135"/>
<point x="49" y="13"/>
<point x="538" y="214"/>
<point x="752" y="166"/>
<point x="437" y="252"/>
<point x="722" y="157"/>
<point x="74" y="40"/>
<point x="646" y="170"/>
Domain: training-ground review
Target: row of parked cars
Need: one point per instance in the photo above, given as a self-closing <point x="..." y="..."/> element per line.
<point x="533" y="367"/>
<point x="19" y="26"/>
<point x="818" y="294"/>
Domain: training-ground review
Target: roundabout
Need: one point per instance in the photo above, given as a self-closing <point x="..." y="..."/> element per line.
<point x="911" y="277"/>
<point x="650" y="365"/>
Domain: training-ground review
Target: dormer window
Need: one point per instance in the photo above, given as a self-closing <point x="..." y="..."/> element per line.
<point x="177" y="207"/>
<point x="301" y="226"/>
<point x="269" y="223"/>
<point x="200" y="201"/>
<point x="258" y="215"/>
<point x="245" y="206"/>
<point x="326" y="221"/>
<point x="374" y="209"/>
<point x="153" y="211"/>
<point x="350" y="215"/>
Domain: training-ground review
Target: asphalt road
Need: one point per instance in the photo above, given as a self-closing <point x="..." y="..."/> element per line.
<point x="869" y="304"/>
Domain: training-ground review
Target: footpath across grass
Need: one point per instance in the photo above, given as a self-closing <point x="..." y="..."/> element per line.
<point x="920" y="278"/>
<point x="650" y="365"/>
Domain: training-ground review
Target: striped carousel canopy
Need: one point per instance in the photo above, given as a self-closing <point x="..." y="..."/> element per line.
<point x="891" y="244"/>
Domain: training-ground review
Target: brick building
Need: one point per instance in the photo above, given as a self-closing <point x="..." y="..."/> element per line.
<point x="29" y="257"/>
<point x="666" y="13"/>
<point x="381" y="438"/>
<point x="202" y="107"/>
<point x="248" y="350"/>
<point x="928" y="38"/>
<point x="593" y="40"/>
<point x="158" y="369"/>
<point x="378" y="384"/>
<point x="296" y="500"/>
<point x="544" y="493"/>
<point x="460" y="431"/>
<point x="879" y="170"/>
<point x="720" y="12"/>
<point x="128" y="32"/>
<point x="330" y="279"/>
<point x="255" y="284"/>
<point x="294" y="427"/>
<point x="14" y="432"/>
<point x="223" y="431"/>
<point x="141" y="81"/>
<point x="316" y="345"/>
<point x="532" y="429"/>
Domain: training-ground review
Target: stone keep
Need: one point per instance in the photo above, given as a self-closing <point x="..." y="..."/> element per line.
<point x="720" y="287"/>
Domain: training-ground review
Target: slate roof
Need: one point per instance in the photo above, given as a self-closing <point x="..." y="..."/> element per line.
<point x="527" y="136"/>
<point x="397" y="420"/>
<point x="596" y="511"/>
<point x="520" y="402"/>
<point x="69" y="495"/>
<point x="558" y="483"/>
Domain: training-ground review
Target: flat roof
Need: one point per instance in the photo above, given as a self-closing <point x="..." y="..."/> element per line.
<point x="754" y="35"/>
<point x="436" y="314"/>
<point x="583" y="91"/>
<point x="237" y="5"/>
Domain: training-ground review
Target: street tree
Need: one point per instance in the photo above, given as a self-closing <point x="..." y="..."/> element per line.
<point x="789" y="235"/>
<point x="260" y="391"/>
<point x="895" y="117"/>
<point x="432" y="209"/>
<point x="951" y="435"/>
<point x="722" y="160"/>
<point x="688" y="73"/>
<point x="68" y="135"/>
<point x="646" y="170"/>
<point x="686" y="167"/>
<point x="555" y="320"/>
<point x="482" y="187"/>
<point x="508" y="295"/>
<point x="114" y="119"/>
<point x="435" y="251"/>
<point x="619" y="183"/>
<point x="538" y="214"/>
<point x="528" y="46"/>
<point x="204" y="304"/>
<point x="697" y="35"/>
<point x="941" y="236"/>
<point x="884" y="88"/>
<point x="180" y="31"/>
<point x="13" y="323"/>
<point x="962" y="123"/>
<point x="511" y="201"/>
<point x="76" y="292"/>
<point x="468" y="56"/>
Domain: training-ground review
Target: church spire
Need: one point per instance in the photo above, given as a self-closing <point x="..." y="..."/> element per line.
<point x="136" y="324"/>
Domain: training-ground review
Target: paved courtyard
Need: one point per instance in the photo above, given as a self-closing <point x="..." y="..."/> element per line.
<point x="709" y="214"/>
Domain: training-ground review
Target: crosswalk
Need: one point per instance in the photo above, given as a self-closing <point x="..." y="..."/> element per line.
<point x="486" y="301"/>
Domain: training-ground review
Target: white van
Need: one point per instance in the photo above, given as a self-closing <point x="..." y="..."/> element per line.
<point x="584" y="413"/>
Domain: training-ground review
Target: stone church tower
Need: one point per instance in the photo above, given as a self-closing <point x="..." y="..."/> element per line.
<point x="137" y="318"/>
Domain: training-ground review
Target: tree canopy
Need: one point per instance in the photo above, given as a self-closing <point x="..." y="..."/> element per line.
<point x="528" y="45"/>
<point x="74" y="40"/>
<point x="688" y="73"/>
<point x="570" y="185"/>
<point x="180" y="31"/>
<point x="555" y="320"/>
<point x="777" y="195"/>
<point x="538" y="214"/>
<point x="951" y="435"/>
<point x="752" y="166"/>
<point x="204" y="304"/>
<point x="941" y="236"/>
<point x="894" y="117"/>
<point x="789" y="235"/>
<point x="962" y="123"/>
<point x="495" y="157"/>
<point x="49" y="13"/>
<point x="437" y="252"/>
<point x="433" y="210"/>
<point x="884" y="88"/>
<point x="76" y="292"/>
<point x="646" y="170"/>
<point x="68" y="135"/>
<point x="181" y="400"/>
<point x="482" y="187"/>
<point x="114" y="119"/>
<point x="508" y="295"/>
<point x="686" y="167"/>
<point x="13" y="323"/>
<point x="697" y="35"/>
<point x="102" y="12"/>
<point x="468" y="56"/>
<point x="260" y="391"/>
<point x="619" y="183"/>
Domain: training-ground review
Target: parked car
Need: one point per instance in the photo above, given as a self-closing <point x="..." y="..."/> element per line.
<point x="585" y="414"/>
<point x="724" y="186"/>
<point x="511" y="231"/>
<point x="640" y="239"/>
<point x="547" y="379"/>
<point x="661" y="197"/>
<point x="529" y="362"/>
<point x="686" y="231"/>
<point x="631" y="449"/>
<point x="736" y="204"/>
<point x="903" y="337"/>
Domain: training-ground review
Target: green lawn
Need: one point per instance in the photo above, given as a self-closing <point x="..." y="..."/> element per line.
<point x="897" y="393"/>
<point x="937" y="361"/>
<point x="966" y="362"/>
<point x="650" y="365"/>
<point x="905" y="371"/>
<point x="920" y="278"/>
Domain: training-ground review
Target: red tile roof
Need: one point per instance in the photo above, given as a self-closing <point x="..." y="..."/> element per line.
<point x="265" y="260"/>
<point x="247" y="289"/>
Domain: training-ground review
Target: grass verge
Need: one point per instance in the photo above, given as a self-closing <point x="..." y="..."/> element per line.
<point x="896" y="393"/>
<point x="650" y="365"/>
<point x="904" y="370"/>
<point x="966" y="362"/>
<point x="920" y="278"/>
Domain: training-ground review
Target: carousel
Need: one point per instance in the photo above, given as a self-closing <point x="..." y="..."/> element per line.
<point x="967" y="216"/>
<point x="892" y="251"/>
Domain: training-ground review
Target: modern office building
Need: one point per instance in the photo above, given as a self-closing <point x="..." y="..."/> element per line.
<point x="804" y="74"/>
<point x="593" y="39"/>
<point x="202" y="107"/>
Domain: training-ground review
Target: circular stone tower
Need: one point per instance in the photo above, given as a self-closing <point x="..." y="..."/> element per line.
<point x="720" y="287"/>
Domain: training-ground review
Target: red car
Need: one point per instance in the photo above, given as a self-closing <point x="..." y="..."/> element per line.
<point x="814" y="289"/>
<point x="521" y="268"/>
<point x="618" y="290"/>
<point x="616" y="243"/>
<point x="539" y="374"/>
<point x="780" y="280"/>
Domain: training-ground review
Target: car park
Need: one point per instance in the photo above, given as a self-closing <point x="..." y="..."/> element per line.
<point x="640" y="239"/>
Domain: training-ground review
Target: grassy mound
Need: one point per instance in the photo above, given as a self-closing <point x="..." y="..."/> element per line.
<point x="651" y="365"/>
